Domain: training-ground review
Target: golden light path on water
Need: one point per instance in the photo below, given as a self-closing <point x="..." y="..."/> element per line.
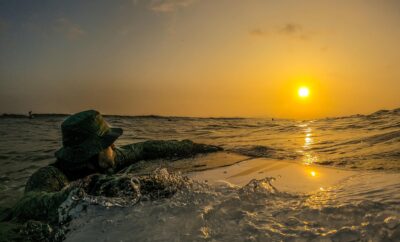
<point x="309" y="158"/>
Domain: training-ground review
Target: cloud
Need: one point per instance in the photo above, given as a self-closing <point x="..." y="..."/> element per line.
<point x="258" y="32"/>
<point x="294" y="30"/>
<point x="71" y="30"/>
<point x="164" y="6"/>
<point x="291" y="30"/>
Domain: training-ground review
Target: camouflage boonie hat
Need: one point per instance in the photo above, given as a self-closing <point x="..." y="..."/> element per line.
<point x="84" y="135"/>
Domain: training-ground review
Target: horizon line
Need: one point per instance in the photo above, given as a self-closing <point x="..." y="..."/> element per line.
<point x="20" y="115"/>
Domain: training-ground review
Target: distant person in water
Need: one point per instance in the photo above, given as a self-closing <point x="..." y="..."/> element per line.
<point x="88" y="148"/>
<point x="30" y="115"/>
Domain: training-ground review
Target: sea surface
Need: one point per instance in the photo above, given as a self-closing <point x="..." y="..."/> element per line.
<point x="363" y="208"/>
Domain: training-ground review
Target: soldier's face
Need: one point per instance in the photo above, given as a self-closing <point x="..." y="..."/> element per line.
<point x="106" y="158"/>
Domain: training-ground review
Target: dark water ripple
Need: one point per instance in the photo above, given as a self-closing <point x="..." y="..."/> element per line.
<point x="358" y="141"/>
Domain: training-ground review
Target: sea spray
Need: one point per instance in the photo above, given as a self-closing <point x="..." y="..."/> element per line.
<point x="255" y="212"/>
<point x="364" y="208"/>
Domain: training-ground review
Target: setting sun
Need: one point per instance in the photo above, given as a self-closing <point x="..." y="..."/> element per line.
<point x="304" y="92"/>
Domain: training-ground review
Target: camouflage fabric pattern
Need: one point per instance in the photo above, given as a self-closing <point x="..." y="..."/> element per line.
<point x="46" y="179"/>
<point x="85" y="134"/>
<point x="49" y="187"/>
<point x="154" y="149"/>
<point x="157" y="185"/>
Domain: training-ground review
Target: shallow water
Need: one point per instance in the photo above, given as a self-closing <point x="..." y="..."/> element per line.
<point x="352" y="211"/>
<point x="365" y="207"/>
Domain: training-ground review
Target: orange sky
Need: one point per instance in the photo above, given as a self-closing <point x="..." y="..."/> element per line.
<point x="200" y="57"/>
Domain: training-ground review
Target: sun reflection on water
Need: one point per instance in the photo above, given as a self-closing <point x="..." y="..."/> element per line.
<point x="308" y="156"/>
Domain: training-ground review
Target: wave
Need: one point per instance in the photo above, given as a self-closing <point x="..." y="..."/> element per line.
<point x="361" y="142"/>
<point x="254" y="212"/>
<point x="264" y="151"/>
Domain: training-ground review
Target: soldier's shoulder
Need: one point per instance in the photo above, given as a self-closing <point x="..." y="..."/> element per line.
<point x="48" y="178"/>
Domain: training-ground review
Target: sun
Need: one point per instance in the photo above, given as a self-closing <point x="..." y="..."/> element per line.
<point x="304" y="92"/>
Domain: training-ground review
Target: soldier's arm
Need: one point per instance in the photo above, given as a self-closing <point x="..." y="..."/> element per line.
<point x="155" y="149"/>
<point x="46" y="179"/>
<point x="40" y="206"/>
<point x="45" y="190"/>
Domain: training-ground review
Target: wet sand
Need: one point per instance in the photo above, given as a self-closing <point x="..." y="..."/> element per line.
<point x="290" y="176"/>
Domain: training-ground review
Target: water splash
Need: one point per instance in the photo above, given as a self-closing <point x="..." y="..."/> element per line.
<point x="254" y="212"/>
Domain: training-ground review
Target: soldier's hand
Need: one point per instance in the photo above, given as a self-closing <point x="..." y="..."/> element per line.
<point x="204" y="148"/>
<point x="120" y="186"/>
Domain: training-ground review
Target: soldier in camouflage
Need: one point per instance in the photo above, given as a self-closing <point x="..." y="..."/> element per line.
<point x="88" y="149"/>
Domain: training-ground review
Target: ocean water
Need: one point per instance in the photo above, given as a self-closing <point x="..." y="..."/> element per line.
<point x="361" y="208"/>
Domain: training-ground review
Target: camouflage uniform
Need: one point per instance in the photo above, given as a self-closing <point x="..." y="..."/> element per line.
<point x="50" y="186"/>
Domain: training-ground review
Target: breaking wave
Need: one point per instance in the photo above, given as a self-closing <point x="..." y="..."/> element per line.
<point x="254" y="212"/>
<point x="363" y="208"/>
